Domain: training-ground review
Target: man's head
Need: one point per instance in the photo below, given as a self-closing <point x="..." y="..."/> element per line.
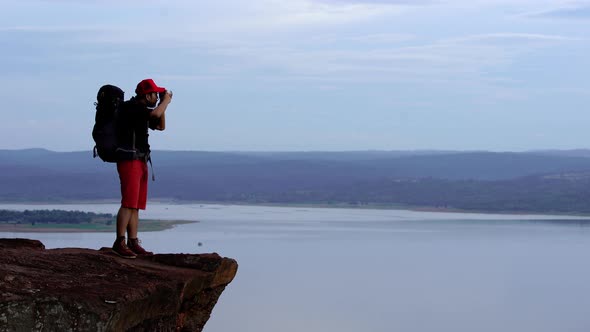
<point x="148" y="90"/>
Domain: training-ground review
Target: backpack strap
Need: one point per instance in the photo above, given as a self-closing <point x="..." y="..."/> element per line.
<point x="152" y="167"/>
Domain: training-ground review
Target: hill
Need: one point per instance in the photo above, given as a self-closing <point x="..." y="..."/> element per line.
<point x="543" y="181"/>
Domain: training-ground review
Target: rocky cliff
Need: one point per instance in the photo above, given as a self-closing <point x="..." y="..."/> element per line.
<point x="88" y="290"/>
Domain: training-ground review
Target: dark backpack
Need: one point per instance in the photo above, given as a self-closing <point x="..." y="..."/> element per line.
<point x="104" y="133"/>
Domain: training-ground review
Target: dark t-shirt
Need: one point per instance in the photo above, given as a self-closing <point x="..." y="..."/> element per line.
<point x="134" y="118"/>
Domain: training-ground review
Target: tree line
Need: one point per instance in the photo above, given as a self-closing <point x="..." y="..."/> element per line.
<point x="51" y="216"/>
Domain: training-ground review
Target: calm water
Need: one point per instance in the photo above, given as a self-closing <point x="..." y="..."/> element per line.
<point x="306" y="269"/>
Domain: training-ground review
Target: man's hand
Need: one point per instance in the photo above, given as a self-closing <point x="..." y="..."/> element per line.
<point x="158" y="112"/>
<point x="167" y="96"/>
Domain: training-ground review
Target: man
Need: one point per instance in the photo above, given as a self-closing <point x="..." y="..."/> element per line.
<point x="134" y="118"/>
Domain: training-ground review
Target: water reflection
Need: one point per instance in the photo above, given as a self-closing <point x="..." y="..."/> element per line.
<point x="378" y="270"/>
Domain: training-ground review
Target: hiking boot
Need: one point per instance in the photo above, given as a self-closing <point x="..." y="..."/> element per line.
<point x="121" y="249"/>
<point x="134" y="245"/>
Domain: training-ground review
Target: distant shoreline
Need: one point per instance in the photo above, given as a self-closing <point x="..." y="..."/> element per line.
<point x="147" y="225"/>
<point x="311" y="205"/>
<point x="385" y="207"/>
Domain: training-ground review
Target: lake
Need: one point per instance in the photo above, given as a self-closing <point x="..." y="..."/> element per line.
<point x="361" y="270"/>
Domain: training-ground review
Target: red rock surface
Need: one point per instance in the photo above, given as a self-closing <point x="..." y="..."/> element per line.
<point x="88" y="290"/>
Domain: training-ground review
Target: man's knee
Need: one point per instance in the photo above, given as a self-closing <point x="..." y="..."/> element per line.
<point x="125" y="211"/>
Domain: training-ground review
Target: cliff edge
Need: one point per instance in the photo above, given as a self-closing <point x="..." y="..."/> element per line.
<point x="94" y="290"/>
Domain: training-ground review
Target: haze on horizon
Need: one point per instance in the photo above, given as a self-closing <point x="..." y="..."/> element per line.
<point x="304" y="75"/>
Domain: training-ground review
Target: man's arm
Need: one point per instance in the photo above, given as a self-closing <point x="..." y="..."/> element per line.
<point x="162" y="124"/>
<point x="158" y="112"/>
<point x="157" y="123"/>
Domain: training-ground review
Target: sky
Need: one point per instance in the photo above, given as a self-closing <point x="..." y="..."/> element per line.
<point x="304" y="75"/>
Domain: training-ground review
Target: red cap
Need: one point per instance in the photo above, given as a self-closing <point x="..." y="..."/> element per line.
<point x="148" y="86"/>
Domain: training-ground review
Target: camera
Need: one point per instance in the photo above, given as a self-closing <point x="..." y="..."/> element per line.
<point x="161" y="95"/>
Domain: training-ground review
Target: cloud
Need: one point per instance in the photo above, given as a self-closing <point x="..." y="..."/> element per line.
<point x="308" y="12"/>
<point x="313" y="40"/>
<point x="187" y="21"/>
<point x="53" y="28"/>
<point x="516" y="37"/>
<point x="454" y="57"/>
<point x="384" y="2"/>
<point x="580" y="11"/>
<point x="369" y="38"/>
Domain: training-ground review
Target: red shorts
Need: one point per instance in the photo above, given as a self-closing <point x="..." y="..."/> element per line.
<point x="133" y="175"/>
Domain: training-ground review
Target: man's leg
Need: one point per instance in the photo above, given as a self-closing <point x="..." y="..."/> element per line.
<point x="133" y="242"/>
<point x="133" y="225"/>
<point x="124" y="219"/>
<point x="129" y="175"/>
<point x="132" y="228"/>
